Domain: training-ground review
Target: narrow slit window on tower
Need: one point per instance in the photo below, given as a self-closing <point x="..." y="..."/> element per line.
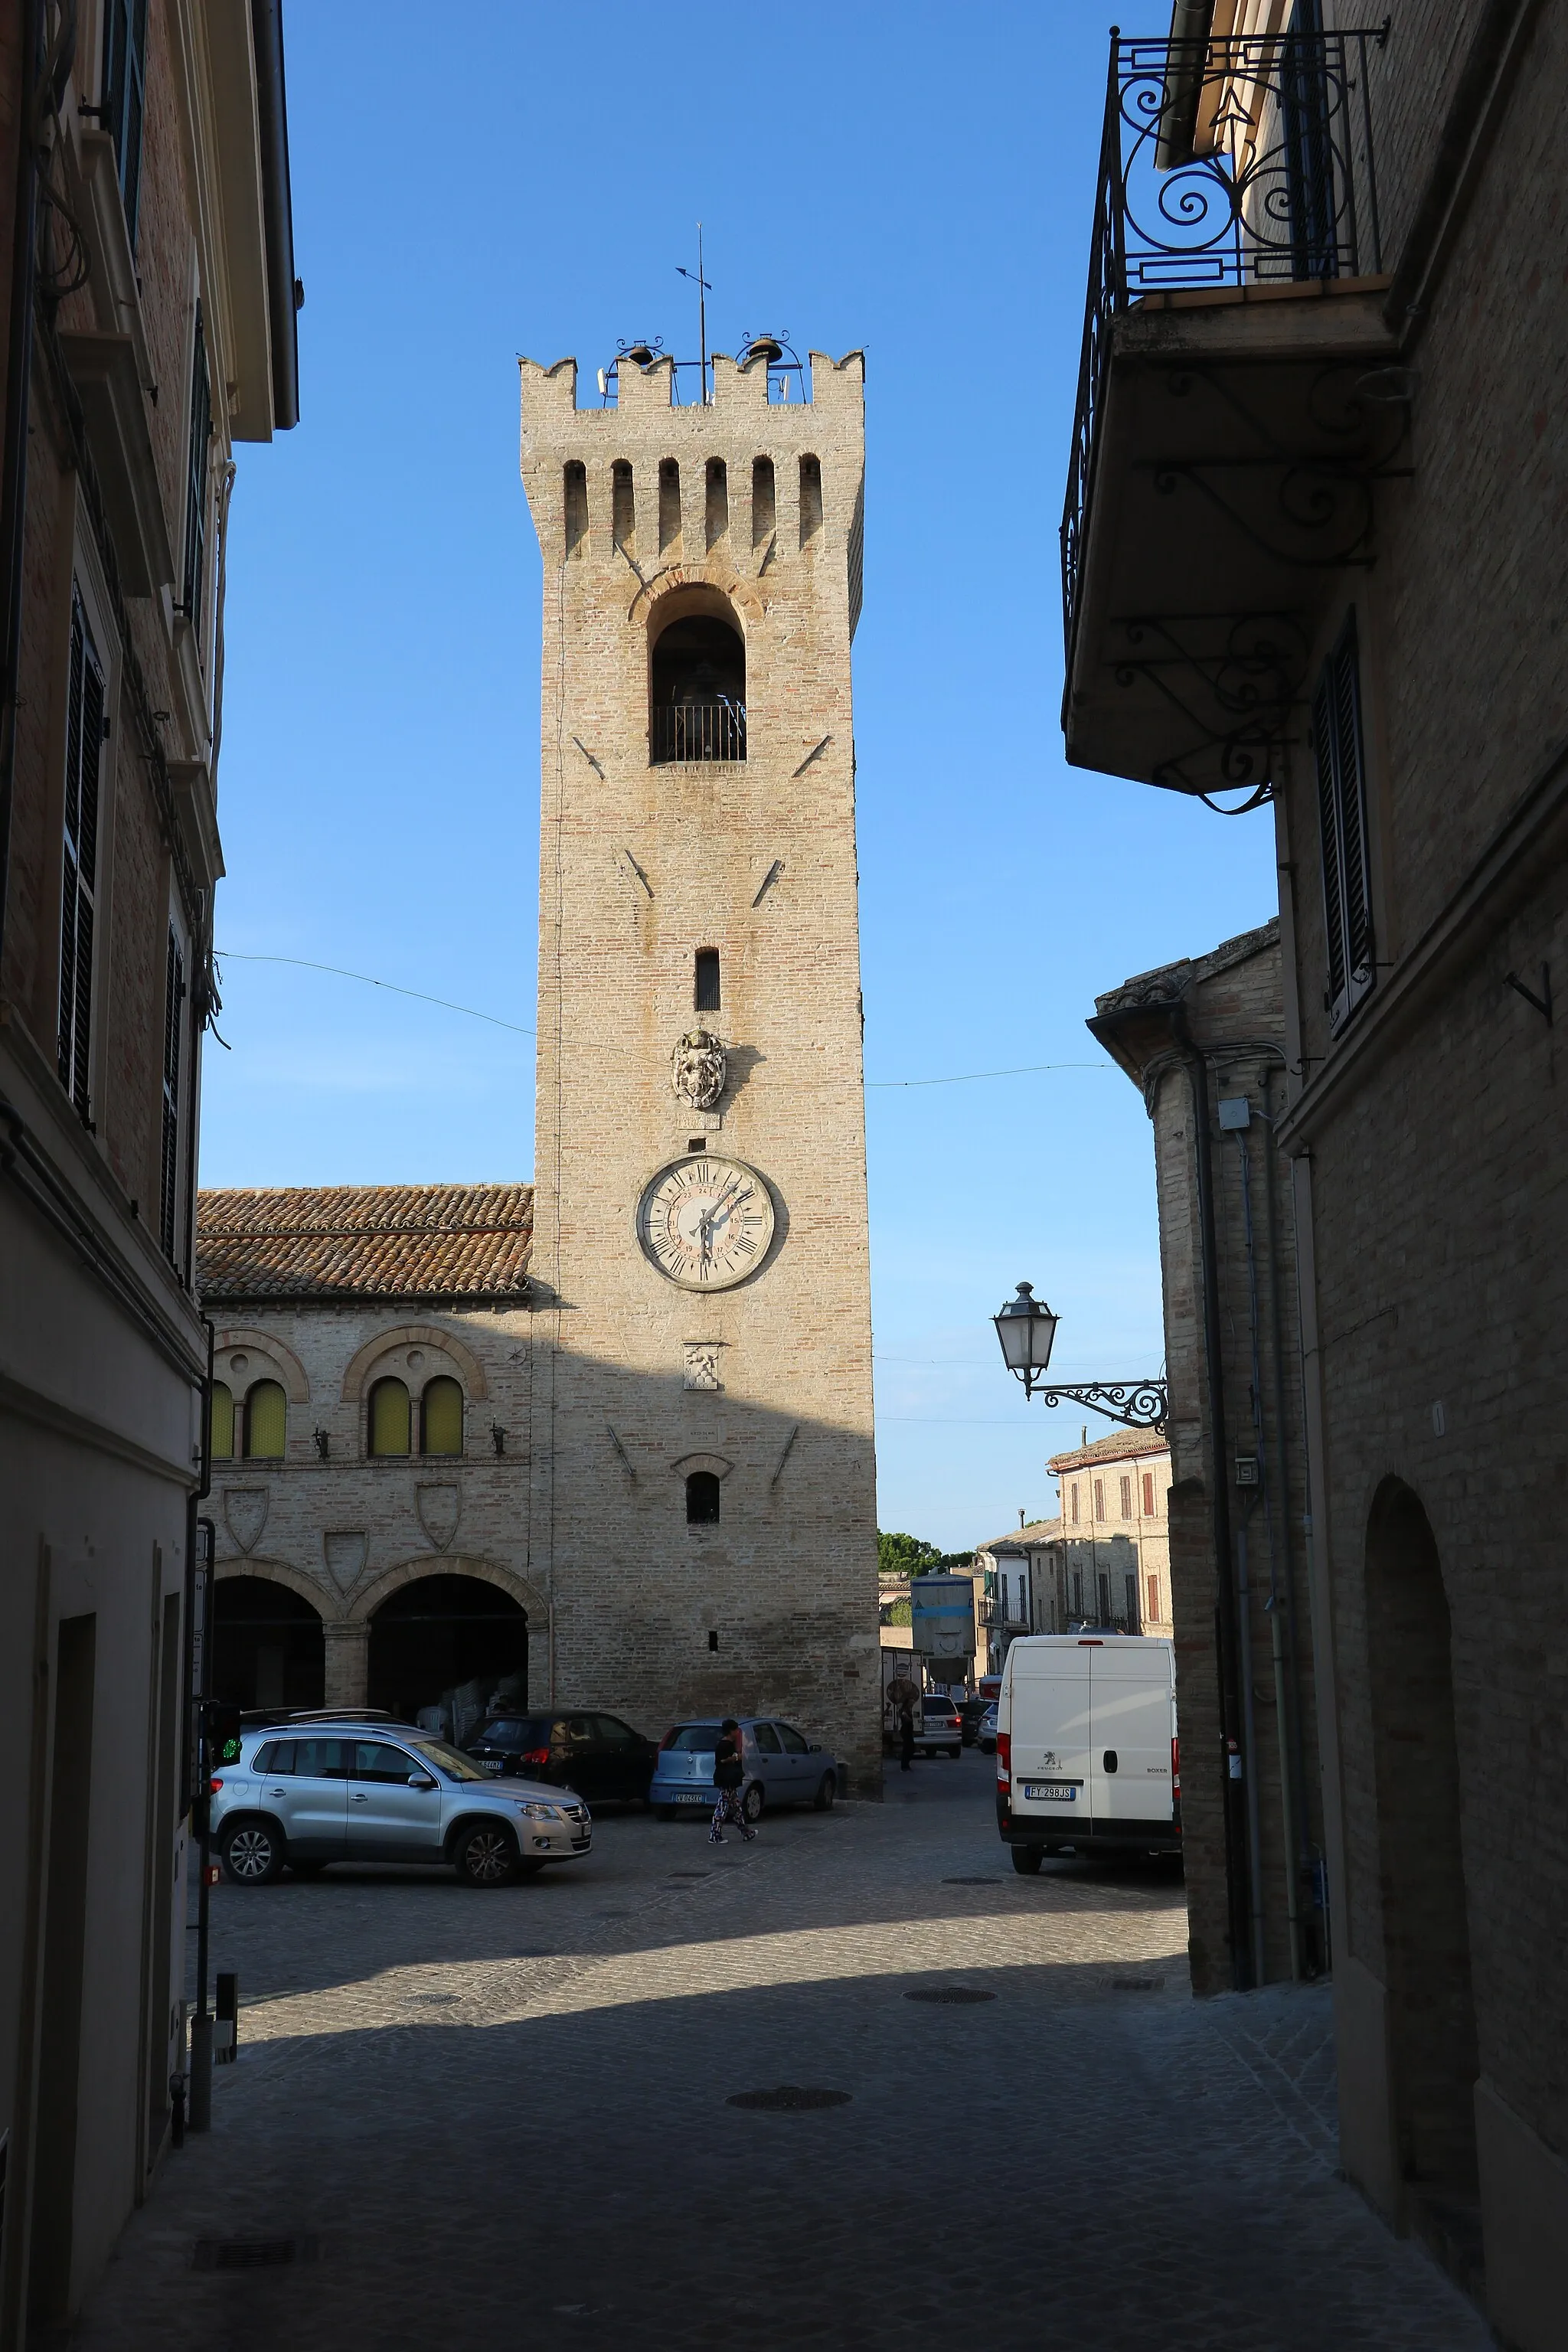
<point x="763" y="501"/>
<point x="718" y="507"/>
<point x="705" y="994"/>
<point x="810" y="500"/>
<point x="668" y="505"/>
<point x="576" y="507"/>
<point x="703" y="1499"/>
<point x="623" y="507"/>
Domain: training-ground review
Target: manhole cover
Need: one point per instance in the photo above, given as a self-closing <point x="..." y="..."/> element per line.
<point x="789" y="2096"/>
<point x="251" y="2254"/>
<point x="431" y="1999"/>
<point x="1134" y="1984"/>
<point x="950" y="1996"/>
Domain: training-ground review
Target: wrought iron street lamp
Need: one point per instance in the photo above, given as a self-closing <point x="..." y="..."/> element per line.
<point x="1026" y="1330"/>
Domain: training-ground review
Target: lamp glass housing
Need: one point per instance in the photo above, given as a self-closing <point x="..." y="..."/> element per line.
<point x="1026" y="1330"/>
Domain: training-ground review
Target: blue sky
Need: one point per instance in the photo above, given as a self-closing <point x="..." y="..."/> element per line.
<point x="915" y="182"/>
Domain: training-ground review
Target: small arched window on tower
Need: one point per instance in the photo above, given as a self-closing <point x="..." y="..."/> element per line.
<point x="763" y="501"/>
<point x="703" y="1499"/>
<point x="623" y="507"/>
<point x="705" y="994"/>
<point x="699" y="691"/>
<point x="441" y="1417"/>
<point x="266" y="1421"/>
<point x="717" y="501"/>
<point x="810" y="500"/>
<point x="576" y="517"/>
<point x="390" y="1419"/>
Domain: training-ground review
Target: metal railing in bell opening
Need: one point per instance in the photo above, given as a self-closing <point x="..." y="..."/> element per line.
<point x="1245" y="161"/>
<point x="698" y="731"/>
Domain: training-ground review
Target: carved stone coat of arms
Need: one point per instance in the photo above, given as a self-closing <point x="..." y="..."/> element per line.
<point x="698" y="1069"/>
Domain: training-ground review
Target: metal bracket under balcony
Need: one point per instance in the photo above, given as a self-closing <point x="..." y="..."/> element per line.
<point x="1239" y="399"/>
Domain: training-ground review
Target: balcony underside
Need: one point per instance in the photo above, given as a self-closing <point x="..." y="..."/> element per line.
<point x="1239" y="440"/>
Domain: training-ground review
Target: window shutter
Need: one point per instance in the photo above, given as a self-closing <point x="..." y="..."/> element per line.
<point x="84" y="759"/>
<point x="174" y="1026"/>
<point x="196" y="481"/>
<point x="124" y="54"/>
<point x="1337" y="751"/>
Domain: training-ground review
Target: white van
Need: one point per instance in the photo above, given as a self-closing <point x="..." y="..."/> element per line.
<point x="1086" y="1747"/>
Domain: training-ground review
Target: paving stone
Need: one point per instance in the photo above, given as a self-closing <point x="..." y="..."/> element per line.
<point x="505" y="2117"/>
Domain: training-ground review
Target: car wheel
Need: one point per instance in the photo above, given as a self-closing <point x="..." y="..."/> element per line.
<point x="487" y="1855"/>
<point x="252" y="1853"/>
<point x="1027" y="1859"/>
<point x="823" y="1801"/>
<point x="751" y="1803"/>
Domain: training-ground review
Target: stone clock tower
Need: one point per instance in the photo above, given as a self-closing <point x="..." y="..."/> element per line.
<point x="704" y="1505"/>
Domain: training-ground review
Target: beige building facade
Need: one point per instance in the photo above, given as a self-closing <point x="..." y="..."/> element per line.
<point x="702" y="1523"/>
<point x="147" y="275"/>
<point x="1313" y="548"/>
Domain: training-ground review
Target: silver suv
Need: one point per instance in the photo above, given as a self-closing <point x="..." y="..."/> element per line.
<point x="348" y="1791"/>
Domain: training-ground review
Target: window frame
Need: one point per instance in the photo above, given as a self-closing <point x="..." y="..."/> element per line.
<point x="83" y="843"/>
<point x="453" y="1454"/>
<point x="123" y="109"/>
<point x="1338" y="738"/>
<point x="372" y="1451"/>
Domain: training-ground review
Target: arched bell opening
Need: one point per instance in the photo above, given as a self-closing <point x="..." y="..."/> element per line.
<point x="698" y="685"/>
<point x="443" y="1647"/>
<point x="268" y="1649"/>
<point x="1425" y="1926"/>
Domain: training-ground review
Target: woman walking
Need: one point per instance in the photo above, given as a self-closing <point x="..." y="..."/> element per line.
<point x="729" y="1777"/>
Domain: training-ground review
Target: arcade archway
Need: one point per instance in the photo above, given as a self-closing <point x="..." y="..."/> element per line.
<point x="451" y="1643"/>
<point x="268" y="1646"/>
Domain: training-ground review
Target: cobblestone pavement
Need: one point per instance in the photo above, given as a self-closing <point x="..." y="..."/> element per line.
<point x="500" y="2121"/>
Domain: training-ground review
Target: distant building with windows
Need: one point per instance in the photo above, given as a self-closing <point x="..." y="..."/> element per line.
<point x="1103" y="1561"/>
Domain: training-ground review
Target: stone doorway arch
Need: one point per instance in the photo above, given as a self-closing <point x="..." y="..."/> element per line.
<point x="449" y="1643"/>
<point x="269" y="1648"/>
<point x="1426" y="1927"/>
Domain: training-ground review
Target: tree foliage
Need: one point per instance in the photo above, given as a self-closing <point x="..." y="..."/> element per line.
<point x="904" y="1555"/>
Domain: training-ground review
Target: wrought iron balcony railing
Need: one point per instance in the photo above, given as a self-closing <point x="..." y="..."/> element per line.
<point x="698" y="731"/>
<point x="1232" y="163"/>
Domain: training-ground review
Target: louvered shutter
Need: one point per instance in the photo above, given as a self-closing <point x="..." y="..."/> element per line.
<point x="1340" y="767"/>
<point x="196" y="480"/>
<point x="84" y="762"/>
<point x="174" y="1028"/>
<point x="124" y="55"/>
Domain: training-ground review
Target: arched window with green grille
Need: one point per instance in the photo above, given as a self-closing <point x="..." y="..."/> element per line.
<point x="266" y="1421"/>
<point x="222" y="1422"/>
<point x="389" y="1417"/>
<point x="442" y="1412"/>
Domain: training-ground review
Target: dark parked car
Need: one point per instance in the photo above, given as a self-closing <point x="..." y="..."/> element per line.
<point x="970" y="1713"/>
<point x="598" y="1755"/>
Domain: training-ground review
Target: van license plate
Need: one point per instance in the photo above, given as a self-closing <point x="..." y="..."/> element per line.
<point x="1051" y="1793"/>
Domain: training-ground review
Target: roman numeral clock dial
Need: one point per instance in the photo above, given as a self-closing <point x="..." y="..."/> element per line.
<point x="706" y="1222"/>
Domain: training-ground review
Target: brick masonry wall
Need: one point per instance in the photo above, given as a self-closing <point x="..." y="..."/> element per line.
<point x="287" y="1509"/>
<point x="1233" y="1005"/>
<point x="787" y="1581"/>
<point x="1438" y="1170"/>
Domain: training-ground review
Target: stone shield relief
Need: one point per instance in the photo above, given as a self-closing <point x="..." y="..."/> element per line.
<point x="438" y="1508"/>
<point x="245" y="1514"/>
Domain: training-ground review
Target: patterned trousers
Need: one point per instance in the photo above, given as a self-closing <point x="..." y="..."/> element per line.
<point x="728" y="1809"/>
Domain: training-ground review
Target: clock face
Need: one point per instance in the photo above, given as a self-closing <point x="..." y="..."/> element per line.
<point x="705" y="1221"/>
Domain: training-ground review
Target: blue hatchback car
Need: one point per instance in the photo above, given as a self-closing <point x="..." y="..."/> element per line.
<point x="782" y="1768"/>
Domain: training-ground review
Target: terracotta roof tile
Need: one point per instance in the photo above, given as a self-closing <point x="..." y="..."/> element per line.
<point x="365" y="1241"/>
<point x="1123" y="1447"/>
